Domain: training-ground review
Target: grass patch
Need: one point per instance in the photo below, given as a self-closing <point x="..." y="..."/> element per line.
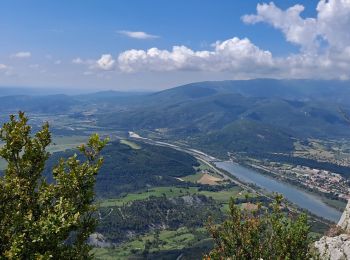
<point x="169" y="240"/>
<point x="62" y="143"/>
<point x="203" y="167"/>
<point x="194" y="177"/>
<point x="130" y="144"/>
<point x="225" y="195"/>
<point x="157" y="192"/>
<point x="171" y="192"/>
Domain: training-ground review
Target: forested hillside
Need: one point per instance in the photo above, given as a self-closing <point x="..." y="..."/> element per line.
<point x="264" y="115"/>
<point x="226" y="116"/>
<point x="127" y="169"/>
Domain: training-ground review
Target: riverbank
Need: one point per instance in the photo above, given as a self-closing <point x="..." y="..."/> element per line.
<point x="297" y="196"/>
<point x="337" y="204"/>
<point x="300" y="198"/>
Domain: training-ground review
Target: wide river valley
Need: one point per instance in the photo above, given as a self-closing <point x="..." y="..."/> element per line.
<point x="301" y="198"/>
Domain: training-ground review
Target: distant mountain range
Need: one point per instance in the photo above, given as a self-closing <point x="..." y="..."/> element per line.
<point x="246" y="115"/>
<point x="261" y="115"/>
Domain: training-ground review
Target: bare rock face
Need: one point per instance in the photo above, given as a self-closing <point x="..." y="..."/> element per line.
<point x="98" y="240"/>
<point x="337" y="247"/>
<point x="344" y="221"/>
<point x="334" y="248"/>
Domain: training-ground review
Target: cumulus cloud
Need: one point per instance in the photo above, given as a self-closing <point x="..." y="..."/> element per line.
<point x="331" y="24"/>
<point x="232" y="54"/>
<point x="324" y="42"/>
<point x="138" y="35"/>
<point x="106" y="62"/>
<point x="22" y="55"/>
<point x="296" y="29"/>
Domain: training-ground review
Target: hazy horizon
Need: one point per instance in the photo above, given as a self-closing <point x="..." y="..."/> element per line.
<point x="74" y="90"/>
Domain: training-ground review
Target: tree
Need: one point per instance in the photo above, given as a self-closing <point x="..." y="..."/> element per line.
<point x="41" y="220"/>
<point x="260" y="234"/>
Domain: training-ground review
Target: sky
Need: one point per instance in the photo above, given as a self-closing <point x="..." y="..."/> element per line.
<point x="156" y="44"/>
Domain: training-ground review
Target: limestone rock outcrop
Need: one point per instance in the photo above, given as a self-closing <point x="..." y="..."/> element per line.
<point x="344" y="221"/>
<point x="337" y="247"/>
<point x="334" y="248"/>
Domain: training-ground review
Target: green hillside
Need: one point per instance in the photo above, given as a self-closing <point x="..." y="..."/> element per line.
<point x="263" y="115"/>
<point x="126" y="169"/>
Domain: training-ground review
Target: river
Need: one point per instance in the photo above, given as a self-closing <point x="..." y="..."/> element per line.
<point x="301" y="198"/>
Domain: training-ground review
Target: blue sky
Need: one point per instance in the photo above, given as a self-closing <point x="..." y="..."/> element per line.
<point x="88" y="44"/>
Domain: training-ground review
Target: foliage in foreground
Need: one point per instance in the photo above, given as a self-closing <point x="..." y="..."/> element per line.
<point x="260" y="234"/>
<point x="40" y="220"/>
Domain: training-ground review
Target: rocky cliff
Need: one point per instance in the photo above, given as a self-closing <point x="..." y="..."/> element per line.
<point x="337" y="247"/>
<point x="344" y="221"/>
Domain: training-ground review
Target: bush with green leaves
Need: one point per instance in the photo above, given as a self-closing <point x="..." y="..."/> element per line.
<point x="41" y="220"/>
<point x="260" y="234"/>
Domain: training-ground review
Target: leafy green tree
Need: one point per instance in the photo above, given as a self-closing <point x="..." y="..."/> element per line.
<point x="260" y="234"/>
<point x="41" y="220"/>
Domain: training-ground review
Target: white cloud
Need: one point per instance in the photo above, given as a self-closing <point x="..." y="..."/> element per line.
<point x="331" y="24"/>
<point x="230" y="55"/>
<point x="324" y="39"/>
<point x="3" y="66"/>
<point x="57" y="62"/>
<point x="77" y="61"/>
<point x="296" y="29"/>
<point x="138" y="35"/>
<point x="106" y="62"/>
<point x="241" y="58"/>
<point x="6" y="70"/>
<point x="324" y="42"/>
<point x="22" y="54"/>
